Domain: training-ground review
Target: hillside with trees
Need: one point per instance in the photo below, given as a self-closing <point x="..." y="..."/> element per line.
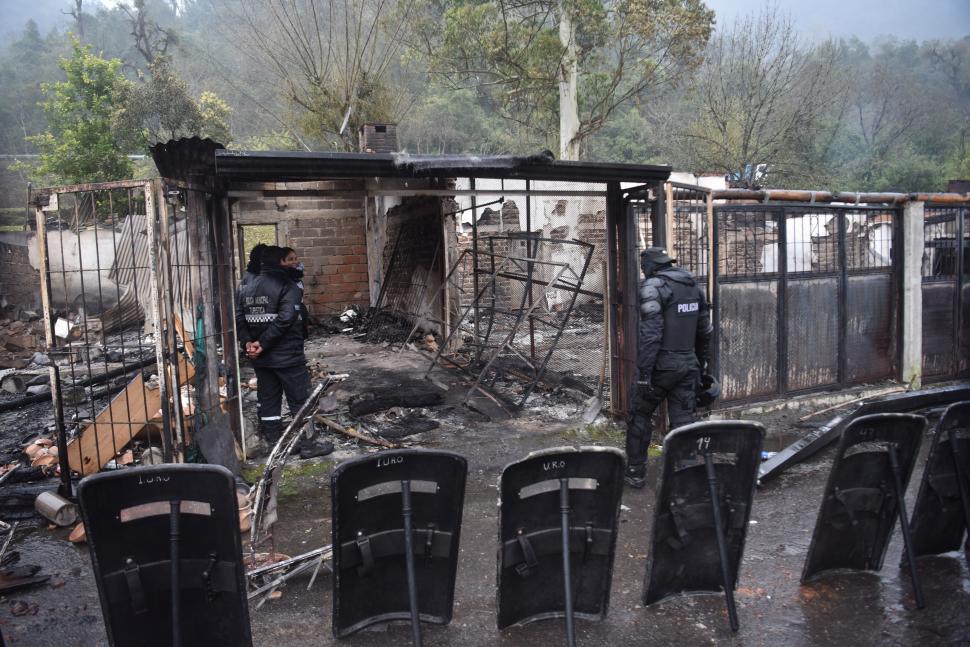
<point x="617" y="80"/>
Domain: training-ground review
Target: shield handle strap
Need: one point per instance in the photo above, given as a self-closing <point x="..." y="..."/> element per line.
<point x="175" y="511"/>
<point x="721" y="543"/>
<point x="959" y="461"/>
<point x="567" y="578"/>
<point x="904" y="525"/>
<point x="409" y="562"/>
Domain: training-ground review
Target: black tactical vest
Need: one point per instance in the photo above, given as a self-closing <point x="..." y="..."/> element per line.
<point x="680" y="314"/>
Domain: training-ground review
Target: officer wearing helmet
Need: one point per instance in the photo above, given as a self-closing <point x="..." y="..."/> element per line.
<point x="673" y="349"/>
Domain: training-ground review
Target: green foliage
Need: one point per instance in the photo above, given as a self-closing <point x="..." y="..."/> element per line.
<point x="79" y="145"/>
<point x="29" y="59"/>
<point x="214" y="114"/>
<point x="162" y="109"/>
<point x="512" y="53"/>
<point x="276" y="140"/>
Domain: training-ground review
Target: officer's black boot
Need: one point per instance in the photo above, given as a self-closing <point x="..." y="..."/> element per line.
<point x="270" y="431"/>
<point x="635" y="476"/>
<point x="310" y="447"/>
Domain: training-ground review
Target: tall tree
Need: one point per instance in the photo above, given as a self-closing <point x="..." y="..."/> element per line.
<point x="330" y="60"/>
<point x="952" y="60"/>
<point x="563" y="67"/>
<point x="79" y="145"/>
<point x="151" y="39"/>
<point x="762" y="98"/>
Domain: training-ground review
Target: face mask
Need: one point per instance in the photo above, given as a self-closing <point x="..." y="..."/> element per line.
<point x="299" y="266"/>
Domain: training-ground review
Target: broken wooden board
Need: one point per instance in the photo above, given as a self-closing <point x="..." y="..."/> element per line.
<point x="124" y="417"/>
<point x="118" y="423"/>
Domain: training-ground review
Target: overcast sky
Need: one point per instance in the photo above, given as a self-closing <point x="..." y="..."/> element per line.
<point x="817" y="19"/>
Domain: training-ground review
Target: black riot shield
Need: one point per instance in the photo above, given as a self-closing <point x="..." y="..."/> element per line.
<point x="874" y="461"/>
<point x="941" y="515"/>
<point x="383" y="504"/>
<point x="576" y="490"/>
<point x="165" y="545"/>
<point x="697" y="545"/>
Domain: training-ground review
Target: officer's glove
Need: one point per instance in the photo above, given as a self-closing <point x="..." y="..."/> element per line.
<point x="645" y="387"/>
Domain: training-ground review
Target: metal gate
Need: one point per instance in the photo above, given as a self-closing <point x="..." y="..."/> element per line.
<point x="805" y="298"/>
<point x="946" y="293"/>
<point x="136" y="289"/>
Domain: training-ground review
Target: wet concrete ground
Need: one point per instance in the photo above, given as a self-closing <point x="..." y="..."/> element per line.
<point x="844" y="609"/>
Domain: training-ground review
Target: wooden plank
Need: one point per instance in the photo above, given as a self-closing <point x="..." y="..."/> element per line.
<point x="118" y="423"/>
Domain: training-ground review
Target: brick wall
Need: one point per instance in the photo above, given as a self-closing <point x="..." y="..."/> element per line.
<point x="19" y="282"/>
<point x="333" y="249"/>
<point x="328" y="234"/>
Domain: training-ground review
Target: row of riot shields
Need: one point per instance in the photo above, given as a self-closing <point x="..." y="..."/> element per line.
<point x="166" y="548"/>
<point x="865" y="495"/>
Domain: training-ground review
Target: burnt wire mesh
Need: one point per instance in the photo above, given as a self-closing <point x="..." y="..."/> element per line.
<point x="940" y="229"/>
<point x="409" y="298"/>
<point x="97" y="277"/>
<point x="198" y="317"/>
<point x="136" y="321"/>
<point x="525" y="287"/>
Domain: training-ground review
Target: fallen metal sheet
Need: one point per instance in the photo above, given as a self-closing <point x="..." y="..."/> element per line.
<point x="817" y="439"/>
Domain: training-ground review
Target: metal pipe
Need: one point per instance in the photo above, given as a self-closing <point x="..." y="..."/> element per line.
<point x="65" y="490"/>
<point x="409" y="562"/>
<point x="567" y="578"/>
<point x="904" y="525"/>
<point x="848" y="197"/>
<point x="721" y="545"/>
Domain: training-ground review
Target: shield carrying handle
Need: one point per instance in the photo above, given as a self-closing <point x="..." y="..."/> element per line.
<point x="721" y="543"/>
<point x="904" y="525"/>
<point x="409" y="562"/>
<point x="174" y="517"/>
<point x="564" y="510"/>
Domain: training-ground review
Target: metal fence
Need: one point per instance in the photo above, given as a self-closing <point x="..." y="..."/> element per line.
<point x="946" y="293"/>
<point x="136" y="305"/>
<point x="803" y="295"/>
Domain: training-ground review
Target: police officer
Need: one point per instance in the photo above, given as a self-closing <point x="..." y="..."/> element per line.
<point x="673" y="348"/>
<point x="270" y="329"/>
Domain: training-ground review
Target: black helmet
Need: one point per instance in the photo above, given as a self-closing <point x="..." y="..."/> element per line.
<point x="708" y="390"/>
<point x="653" y="257"/>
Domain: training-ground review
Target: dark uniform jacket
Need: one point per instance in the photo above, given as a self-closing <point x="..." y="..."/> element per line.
<point x="675" y="326"/>
<point x="269" y="310"/>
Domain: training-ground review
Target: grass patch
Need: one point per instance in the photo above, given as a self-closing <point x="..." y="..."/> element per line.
<point x="295" y="476"/>
<point x="604" y="433"/>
